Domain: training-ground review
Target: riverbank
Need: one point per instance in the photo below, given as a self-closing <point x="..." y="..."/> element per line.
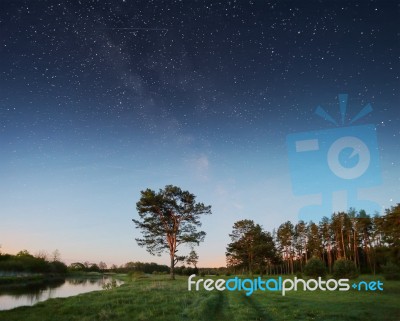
<point x="157" y="298"/>
<point x="22" y="280"/>
<point x="28" y="280"/>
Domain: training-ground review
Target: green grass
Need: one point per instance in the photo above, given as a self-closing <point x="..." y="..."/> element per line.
<point x="157" y="298"/>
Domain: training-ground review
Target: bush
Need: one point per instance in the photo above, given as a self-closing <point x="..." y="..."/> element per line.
<point x="315" y="268"/>
<point x="135" y="275"/>
<point x="391" y="271"/>
<point x="58" y="267"/>
<point x="344" y="269"/>
<point x="110" y="285"/>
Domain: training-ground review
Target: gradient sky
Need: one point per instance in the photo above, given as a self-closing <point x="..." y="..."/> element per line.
<point x="102" y="99"/>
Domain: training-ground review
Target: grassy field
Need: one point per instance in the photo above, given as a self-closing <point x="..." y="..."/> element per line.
<point x="157" y="298"/>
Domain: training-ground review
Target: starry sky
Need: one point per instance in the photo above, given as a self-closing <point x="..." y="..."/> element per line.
<point x="102" y="99"/>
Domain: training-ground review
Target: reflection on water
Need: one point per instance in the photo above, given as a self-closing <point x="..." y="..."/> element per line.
<point x="31" y="294"/>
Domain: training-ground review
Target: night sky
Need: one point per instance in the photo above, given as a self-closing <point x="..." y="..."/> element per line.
<point x="102" y="99"/>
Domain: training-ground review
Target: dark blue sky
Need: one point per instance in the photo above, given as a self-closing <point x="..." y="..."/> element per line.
<point x="101" y="99"/>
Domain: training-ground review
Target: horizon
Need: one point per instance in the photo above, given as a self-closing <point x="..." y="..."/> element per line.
<point x="161" y="259"/>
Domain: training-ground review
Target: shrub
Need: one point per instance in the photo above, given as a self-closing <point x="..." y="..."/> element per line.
<point x="344" y="269"/>
<point x="134" y="275"/>
<point x="109" y="285"/>
<point x="58" y="267"/>
<point x="315" y="268"/>
<point x="391" y="271"/>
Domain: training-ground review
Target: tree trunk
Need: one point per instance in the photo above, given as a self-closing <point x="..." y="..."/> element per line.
<point x="356" y="259"/>
<point x="172" y="267"/>
<point x="305" y="250"/>
<point x="367" y="246"/>
<point x="344" y="250"/>
<point x="329" y="257"/>
<point x="291" y="263"/>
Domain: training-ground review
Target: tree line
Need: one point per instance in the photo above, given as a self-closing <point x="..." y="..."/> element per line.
<point x="170" y="218"/>
<point x="369" y="242"/>
<point x="25" y="262"/>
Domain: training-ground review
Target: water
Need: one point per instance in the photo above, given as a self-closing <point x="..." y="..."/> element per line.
<point x="29" y="295"/>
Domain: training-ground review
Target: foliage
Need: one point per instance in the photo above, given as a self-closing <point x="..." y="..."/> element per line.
<point x="315" y="268"/>
<point x="169" y="219"/>
<point x="183" y="270"/>
<point x="369" y="242"/>
<point x="102" y="266"/>
<point x="285" y="237"/>
<point x="134" y="275"/>
<point x="58" y="267"/>
<point x="143" y="267"/>
<point x="193" y="258"/>
<point x="391" y="271"/>
<point x="251" y="247"/>
<point x="391" y="226"/>
<point x="344" y="269"/>
<point x="110" y="285"/>
<point x="84" y="267"/>
<point x="25" y="262"/>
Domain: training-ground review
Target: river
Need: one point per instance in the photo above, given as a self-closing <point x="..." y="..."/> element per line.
<point x="29" y="295"/>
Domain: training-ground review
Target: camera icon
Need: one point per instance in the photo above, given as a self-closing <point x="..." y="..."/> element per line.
<point x="338" y="159"/>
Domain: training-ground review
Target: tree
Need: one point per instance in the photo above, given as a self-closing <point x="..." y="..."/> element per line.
<point x="77" y="266"/>
<point x="168" y="219"/>
<point x="102" y="266"/>
<point x="364" y="229"/>
<point x="344" y="269"/>
<point x="239" y="253"/>
<point x="315" y="268"/>
<point x="355" y="224"/>
<point x="391" y="226"/>
<point x="24" y="253"/>
<point x="192" y="259"/>
<point x="300" y="238"/>
<point x="55" y="255"/>
<point x="94" y="268"/>
<point x="285" y="236"/>
<point x="42" y="254"/>
<point x="340" y="223"/>
<point x="251" y="247"/>
<point x="314" y="240"/>
<point x="326" y="238"/>
<point x="265" y="249"/>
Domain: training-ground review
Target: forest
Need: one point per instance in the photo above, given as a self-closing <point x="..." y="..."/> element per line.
<point x="372" y="243"/>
